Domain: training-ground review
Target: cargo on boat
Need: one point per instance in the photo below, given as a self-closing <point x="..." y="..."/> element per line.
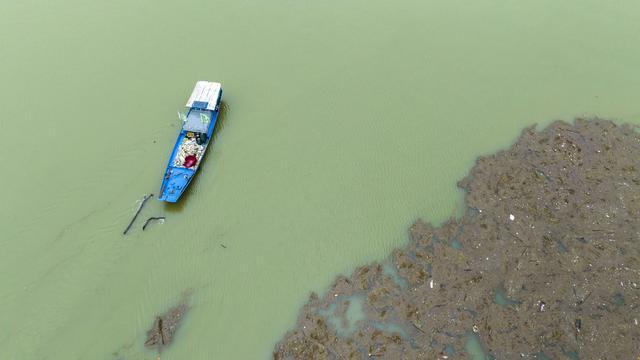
<point x="194" y="137"/>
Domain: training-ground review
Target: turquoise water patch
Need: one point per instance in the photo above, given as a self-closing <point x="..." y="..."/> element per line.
<point x="456" y="244"/>
<point x="562" y="248"/>
<point x="501" y="298"/>
<point x="573" y="355"/>
<point x="618" y="299"/>
<point x="345" y="324"/>
<point x="475" y="349"/>
<point x="390" y="270"/>
<point x="449" y="350"/>
<point x="389" y="328"/>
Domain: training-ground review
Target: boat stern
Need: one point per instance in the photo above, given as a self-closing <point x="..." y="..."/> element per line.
<point x="174" y="184"/>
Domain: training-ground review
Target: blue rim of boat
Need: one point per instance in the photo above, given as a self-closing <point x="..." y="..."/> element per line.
<point x="192" y="141"/>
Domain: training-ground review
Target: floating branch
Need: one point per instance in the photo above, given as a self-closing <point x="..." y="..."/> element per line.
<point x="159" y="218"/>
<point x="144" y="200"/>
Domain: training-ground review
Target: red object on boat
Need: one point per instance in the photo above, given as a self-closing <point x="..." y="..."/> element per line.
<point x="190" y="161"/>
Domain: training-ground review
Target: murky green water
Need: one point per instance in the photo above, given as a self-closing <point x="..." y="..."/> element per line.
<point x="347" y="120"/>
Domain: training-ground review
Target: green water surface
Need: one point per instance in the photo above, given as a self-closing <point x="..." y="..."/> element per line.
<point x="346" y="121"/>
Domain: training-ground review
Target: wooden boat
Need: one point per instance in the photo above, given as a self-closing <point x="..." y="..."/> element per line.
<point x="195" y="135"/>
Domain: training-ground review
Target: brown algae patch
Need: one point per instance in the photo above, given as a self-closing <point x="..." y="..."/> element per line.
<point x="164" y="327"/>
<point x="544" y="264"/>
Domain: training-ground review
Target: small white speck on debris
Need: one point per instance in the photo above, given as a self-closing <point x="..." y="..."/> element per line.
<point x="511" y="217"/>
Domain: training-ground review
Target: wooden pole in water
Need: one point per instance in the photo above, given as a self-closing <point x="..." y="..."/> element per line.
<point x="144" y="200"/>
<point x="151" y="219"/>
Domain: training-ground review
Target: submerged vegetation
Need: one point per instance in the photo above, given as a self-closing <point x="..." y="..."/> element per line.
<point x="544" y="264"/>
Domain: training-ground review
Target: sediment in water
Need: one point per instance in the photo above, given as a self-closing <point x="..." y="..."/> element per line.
<point x="545" y="263"/>
<point x="164" y="327"/>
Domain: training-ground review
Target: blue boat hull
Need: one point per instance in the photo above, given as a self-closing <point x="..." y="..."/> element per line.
<point x="177" y="178"/>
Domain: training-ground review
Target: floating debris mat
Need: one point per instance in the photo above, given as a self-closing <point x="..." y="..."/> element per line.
<point x="544" y="263"/>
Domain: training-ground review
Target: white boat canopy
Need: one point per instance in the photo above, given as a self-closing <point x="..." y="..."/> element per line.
<point x="205" y="95"/>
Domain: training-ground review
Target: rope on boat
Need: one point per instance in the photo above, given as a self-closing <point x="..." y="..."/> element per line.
<point x="135" y="216"/>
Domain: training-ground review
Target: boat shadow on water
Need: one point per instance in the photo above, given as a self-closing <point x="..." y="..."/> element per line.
<point x="184" y="199"/>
